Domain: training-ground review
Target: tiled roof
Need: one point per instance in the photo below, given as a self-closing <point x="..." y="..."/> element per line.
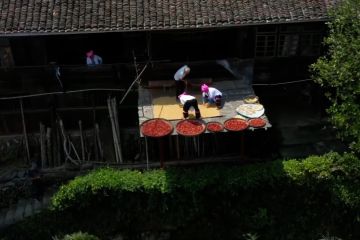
<point x="59" y="16"/>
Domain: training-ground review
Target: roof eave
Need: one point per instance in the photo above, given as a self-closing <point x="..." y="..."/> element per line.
<point x="34" y="34"/>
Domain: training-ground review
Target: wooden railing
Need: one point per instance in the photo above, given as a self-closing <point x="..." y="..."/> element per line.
<point x="45" y="78"/>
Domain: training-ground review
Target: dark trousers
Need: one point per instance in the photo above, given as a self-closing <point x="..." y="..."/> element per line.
<point x="217" y="100"/>
<point x="191" y="103"/>
<point x="180" y="87"/>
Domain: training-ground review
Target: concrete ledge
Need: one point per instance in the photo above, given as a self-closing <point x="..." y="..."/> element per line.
<point x="194" y="82"/>
<point x="161" y="83"/>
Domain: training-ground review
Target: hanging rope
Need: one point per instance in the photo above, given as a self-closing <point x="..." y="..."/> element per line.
<point x="281" y="83"/>
<point x="67" y="92"/>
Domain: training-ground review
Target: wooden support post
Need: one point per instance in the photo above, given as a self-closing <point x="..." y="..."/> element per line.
<point x="82" y="142"/>
<point x="24" y="131"/>
<point x="112" y="129"/>
<point x="101" y="152"/>
<point x="203" y="147"/>
<point x="161" y="152"/>
<point x="96" y="150"/>
<point x="170" y="146"/>
<point x="42" y="145"/>
<point x="117" y="128"/>
<point x="114" y="132"/>
<point x="215" y="143"/>
<point x="195" y="146"/>
<point x="242" y="145"/>
<point x="186" y="148"/>
<point x="147" y="153"/>
<point x="198" y="144"/>
<point x="177" y="148"/>
<point x="68" y="145"/>
<point x="57" y="144"/>
<point x="4" y="124"/>
<point x="56" y="137"/>
<point x="50" y="160"/>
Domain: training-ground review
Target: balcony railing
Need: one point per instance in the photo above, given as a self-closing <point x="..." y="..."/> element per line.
<point x="51" y="78"/>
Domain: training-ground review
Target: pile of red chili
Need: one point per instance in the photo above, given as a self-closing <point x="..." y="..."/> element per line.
<point x="257" y="122"/>
<point x="156" y="127"/>
<point x="190" y="127"/>
<point x="235" y="124"/>
<point x="214" y="127"/>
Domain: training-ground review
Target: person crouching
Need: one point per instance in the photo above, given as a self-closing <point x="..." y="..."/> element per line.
<point x="211" y="95"/>
<point x="189" y="101"/>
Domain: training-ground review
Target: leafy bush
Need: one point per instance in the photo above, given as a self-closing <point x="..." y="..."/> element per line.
<point x="80" y="236"/>
<point x="331" y="168"/>
<point x="290" y="199"/>
<point x="338" y="71"/>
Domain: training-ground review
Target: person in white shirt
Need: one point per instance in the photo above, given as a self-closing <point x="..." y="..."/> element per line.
<point x="180" y="82"/>
<point x="189" y="101"/>
<point x="211" y="95"/>
<point x="93" y="59"/>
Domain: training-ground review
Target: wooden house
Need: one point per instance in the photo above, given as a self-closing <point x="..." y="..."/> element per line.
<point x="48" y="91"/>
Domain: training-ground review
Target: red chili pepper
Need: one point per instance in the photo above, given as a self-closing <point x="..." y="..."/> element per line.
<point x="235" y="124"/>
<point x="156" y="128"/>
<point x="214" y="127"/>
<point x="190" y="127"/>
<point x="257" y="122"/>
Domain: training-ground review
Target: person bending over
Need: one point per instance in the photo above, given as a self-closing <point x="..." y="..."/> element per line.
<point x="189" y="101"/>
<point x="211" y="96"/>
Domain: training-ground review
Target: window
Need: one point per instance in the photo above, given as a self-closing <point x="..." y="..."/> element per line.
<point x="265" y="45"/>
<point x="311" y="44"/>
<point x="266" y="29"/>
<point x="291" y="28"/>
<point x="288" y="45"/>
<point x="6" y="57"/>
<point x="289" y="40"/>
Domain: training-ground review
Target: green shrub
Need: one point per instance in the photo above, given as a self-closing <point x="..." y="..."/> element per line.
<point x="293" y="199"/>
<point x="78" y="236"/>
<point x="330" y="168"/>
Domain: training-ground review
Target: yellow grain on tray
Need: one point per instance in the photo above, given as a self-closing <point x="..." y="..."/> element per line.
<point x="166" y="107"/>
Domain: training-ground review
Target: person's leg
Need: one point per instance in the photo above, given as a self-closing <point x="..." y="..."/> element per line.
<point x="186" y="107"/>
<point x="196" y="107"/>
<point x="218" y="101"/>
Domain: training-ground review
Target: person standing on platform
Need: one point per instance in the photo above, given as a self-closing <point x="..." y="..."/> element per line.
<point x="211" y="95"/>
<point x="189" y="101"/>
<point x="180" y="81"/>
<point x="93" y="59"/>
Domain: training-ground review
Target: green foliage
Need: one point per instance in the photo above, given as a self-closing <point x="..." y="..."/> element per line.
<point x="293" y="199"/>
<point x="78" y="236"/>
<point x="339" y="71"/>
<point x="328" y="237"/>
<point x="106" y="181"/>
<point x="250" y="236"/>
<point x="315" y="169"/>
